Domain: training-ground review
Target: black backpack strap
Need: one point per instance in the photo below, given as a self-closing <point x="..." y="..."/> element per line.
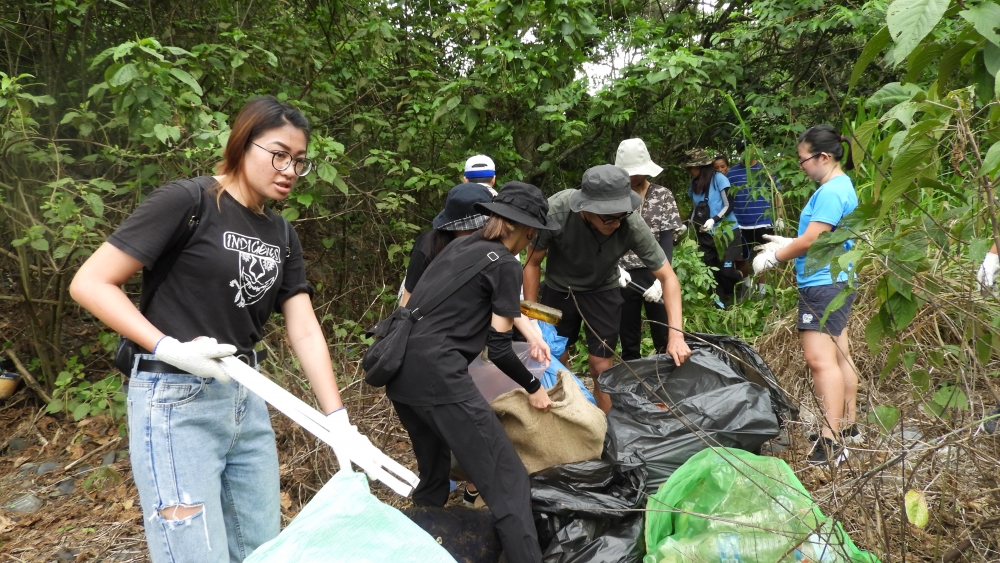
<point x="458" y="282"/>
<point x="286" y="242"/>
<point x="167" y="260"/>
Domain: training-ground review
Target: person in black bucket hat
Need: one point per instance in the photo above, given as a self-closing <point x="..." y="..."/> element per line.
<point x="598" y="227"/>
<point x="458" y="219"/>
<point x="434" y="395"/>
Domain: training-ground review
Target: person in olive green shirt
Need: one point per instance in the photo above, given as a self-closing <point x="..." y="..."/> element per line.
<point x="582" y="276"/>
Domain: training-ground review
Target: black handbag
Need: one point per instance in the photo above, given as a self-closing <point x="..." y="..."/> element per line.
<point x="384" y="357"/>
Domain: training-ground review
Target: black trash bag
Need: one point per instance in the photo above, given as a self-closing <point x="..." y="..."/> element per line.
<point x="714" y="399"/>
<point x="467" y="534"/>
<point x="590" y="511"/>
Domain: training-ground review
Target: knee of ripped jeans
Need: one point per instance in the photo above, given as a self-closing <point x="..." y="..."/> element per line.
<point x="181" y="512"/>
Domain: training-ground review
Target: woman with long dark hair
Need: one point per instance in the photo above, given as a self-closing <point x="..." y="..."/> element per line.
<point x="826" y="345"/>
<point x="433" y="393"/>
<point x="202" y="448"/>
<point x="712" y="213"/>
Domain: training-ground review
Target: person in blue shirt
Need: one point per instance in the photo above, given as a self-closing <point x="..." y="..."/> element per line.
<point x="712" y="213"/>
<point x="826" y="346"/>
<point x="751" y="201"/>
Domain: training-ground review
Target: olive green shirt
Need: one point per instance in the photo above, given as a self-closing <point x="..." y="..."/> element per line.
<point x="585" y="260"/>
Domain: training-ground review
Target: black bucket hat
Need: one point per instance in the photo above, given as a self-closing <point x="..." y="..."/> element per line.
<point x="521" y="203"/>
<point x="605" y="189"/>
<point x="458" y="213"/>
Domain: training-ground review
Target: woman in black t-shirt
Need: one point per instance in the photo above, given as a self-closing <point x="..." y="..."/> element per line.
<point x="202" y="448"/>
<point x="433" y="393"/>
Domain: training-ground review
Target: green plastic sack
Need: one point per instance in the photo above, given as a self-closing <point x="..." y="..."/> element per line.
<point x="733" y="506"/>
<point x="345" y="522"/>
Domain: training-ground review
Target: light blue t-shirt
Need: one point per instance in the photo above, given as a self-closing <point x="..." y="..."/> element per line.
<point x="718" y="200"/>
<point x="829" y="204"/>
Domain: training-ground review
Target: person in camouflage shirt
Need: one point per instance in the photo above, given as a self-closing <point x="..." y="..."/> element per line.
<point x="659" y="210"/>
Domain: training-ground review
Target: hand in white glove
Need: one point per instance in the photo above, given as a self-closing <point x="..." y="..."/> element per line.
<point x="987" y="276"/>
<point x="199" y="357"/>
<point x="351" y="443"/>
<point x="709" y="223"/>
<point x="654" y="293"/>
<point x="774" y="243"/>
<point x="779" y="224"/>
<point x="623" y="277"/>
<point x="679" y="232"/>
<point x="765" y="259"/>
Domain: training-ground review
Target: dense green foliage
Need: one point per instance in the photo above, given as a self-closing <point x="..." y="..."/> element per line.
<point x="100" y="102"/>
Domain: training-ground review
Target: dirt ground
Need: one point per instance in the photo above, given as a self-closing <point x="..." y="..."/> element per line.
<point x="73" y="481"/>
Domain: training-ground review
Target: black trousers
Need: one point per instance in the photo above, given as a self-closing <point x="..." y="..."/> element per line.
<point x="473" y="433"/>
<point x="630" y="330"/>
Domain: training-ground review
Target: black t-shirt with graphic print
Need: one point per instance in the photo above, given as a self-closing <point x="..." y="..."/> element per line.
<point x="232" y="274"/>
<point x="435" y="369"/>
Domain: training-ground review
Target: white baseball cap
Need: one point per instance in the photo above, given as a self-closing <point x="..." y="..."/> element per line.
<point x="480" y="166"/>
<point x="634" y="157"/>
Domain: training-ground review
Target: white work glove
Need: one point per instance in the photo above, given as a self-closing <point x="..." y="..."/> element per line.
<point x="199" y="357"/>
<point x="779" y="224"/>
<point x="654" y="293"/>
<point x="679" y="232"/>
<point x="350" y="443"/>
<point x="709" y="223"/>
<point x="623" y="277"/>
<point x="774" y="243"/>
<point x="764" y="260"/>
<point x="987" y="276"/>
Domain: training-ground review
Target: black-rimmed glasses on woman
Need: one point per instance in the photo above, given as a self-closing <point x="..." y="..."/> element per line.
<point x="281" y="160"/>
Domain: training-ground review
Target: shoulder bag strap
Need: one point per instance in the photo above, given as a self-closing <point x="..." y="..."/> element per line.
<point x="175" y="251"/>
<point x="458" y="282"/>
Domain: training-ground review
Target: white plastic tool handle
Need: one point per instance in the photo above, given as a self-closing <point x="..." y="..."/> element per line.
<point x="384" y="469"/>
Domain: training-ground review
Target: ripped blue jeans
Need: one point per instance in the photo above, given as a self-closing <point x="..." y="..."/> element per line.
<point x="200" y="444"/>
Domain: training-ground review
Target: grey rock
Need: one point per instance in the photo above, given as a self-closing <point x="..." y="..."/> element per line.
<point x="47" y="467"/>
<point x="63" y="488"/>
<point x="27" y="468"/>
<point x="17" y="445"/>
<point x="25" y="504"/>
<point x="109" y="458"/>
<point x="66" y="554"/>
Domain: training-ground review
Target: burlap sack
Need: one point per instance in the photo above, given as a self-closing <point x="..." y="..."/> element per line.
<point x="572" y="430"/>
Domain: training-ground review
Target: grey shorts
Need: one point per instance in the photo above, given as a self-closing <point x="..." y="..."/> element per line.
<point x="812" y="306"/>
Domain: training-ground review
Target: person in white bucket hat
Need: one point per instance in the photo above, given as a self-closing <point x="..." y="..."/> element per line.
<point x="659" y="210"/>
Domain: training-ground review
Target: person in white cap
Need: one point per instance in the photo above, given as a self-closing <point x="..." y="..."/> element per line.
<point x="659" y="210"/>
<point x="480" y="169"/>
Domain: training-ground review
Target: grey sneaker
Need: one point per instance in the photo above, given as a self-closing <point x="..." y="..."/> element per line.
<point x="990" y="425"/>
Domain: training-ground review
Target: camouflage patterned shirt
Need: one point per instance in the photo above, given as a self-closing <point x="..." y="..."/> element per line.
<point x="659" y="211"/>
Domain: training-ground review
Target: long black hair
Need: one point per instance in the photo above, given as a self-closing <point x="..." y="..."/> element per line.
<point x="824" y="138"/>
<point x="705" y="177"/>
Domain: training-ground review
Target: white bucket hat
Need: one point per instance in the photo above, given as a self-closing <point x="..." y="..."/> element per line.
<point x="634" y="157"/>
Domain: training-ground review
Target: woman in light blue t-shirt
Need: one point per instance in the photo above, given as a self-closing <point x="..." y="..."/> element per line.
<point x="826" y="345"/>
<point x="712" y="214"/>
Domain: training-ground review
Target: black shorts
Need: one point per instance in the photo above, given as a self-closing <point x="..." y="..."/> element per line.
<point x="812" y="306"/>
<point x="603" y="311"/>
<point x="754" y="237"/>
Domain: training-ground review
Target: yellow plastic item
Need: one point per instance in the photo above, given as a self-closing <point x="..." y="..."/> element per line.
<point x="540" y="312"/>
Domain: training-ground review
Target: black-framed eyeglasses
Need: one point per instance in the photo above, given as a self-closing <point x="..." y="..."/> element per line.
<point x="609" y="219"/>
<point x="805" y="160"/>
<point x="281" y="160"/>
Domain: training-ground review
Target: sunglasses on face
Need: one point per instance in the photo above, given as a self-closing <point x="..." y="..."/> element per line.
<point x="609" y="219"/>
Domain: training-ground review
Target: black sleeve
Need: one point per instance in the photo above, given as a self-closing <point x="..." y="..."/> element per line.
<point x="501" y="353"/>
<point x="418" y="263"/>
<point x="293" y="277"/>
<point x="666" y="240"/>
<point x="157" y="222"/>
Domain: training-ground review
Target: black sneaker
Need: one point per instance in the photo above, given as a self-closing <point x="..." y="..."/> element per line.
<point x="850" y="435"/>
<point x="469" y="497"/>
<point x="827" y="451"/>
<point x="990" y="426"/>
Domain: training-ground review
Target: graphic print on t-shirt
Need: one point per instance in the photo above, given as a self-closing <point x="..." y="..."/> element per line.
<point x="258" y="266"/>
